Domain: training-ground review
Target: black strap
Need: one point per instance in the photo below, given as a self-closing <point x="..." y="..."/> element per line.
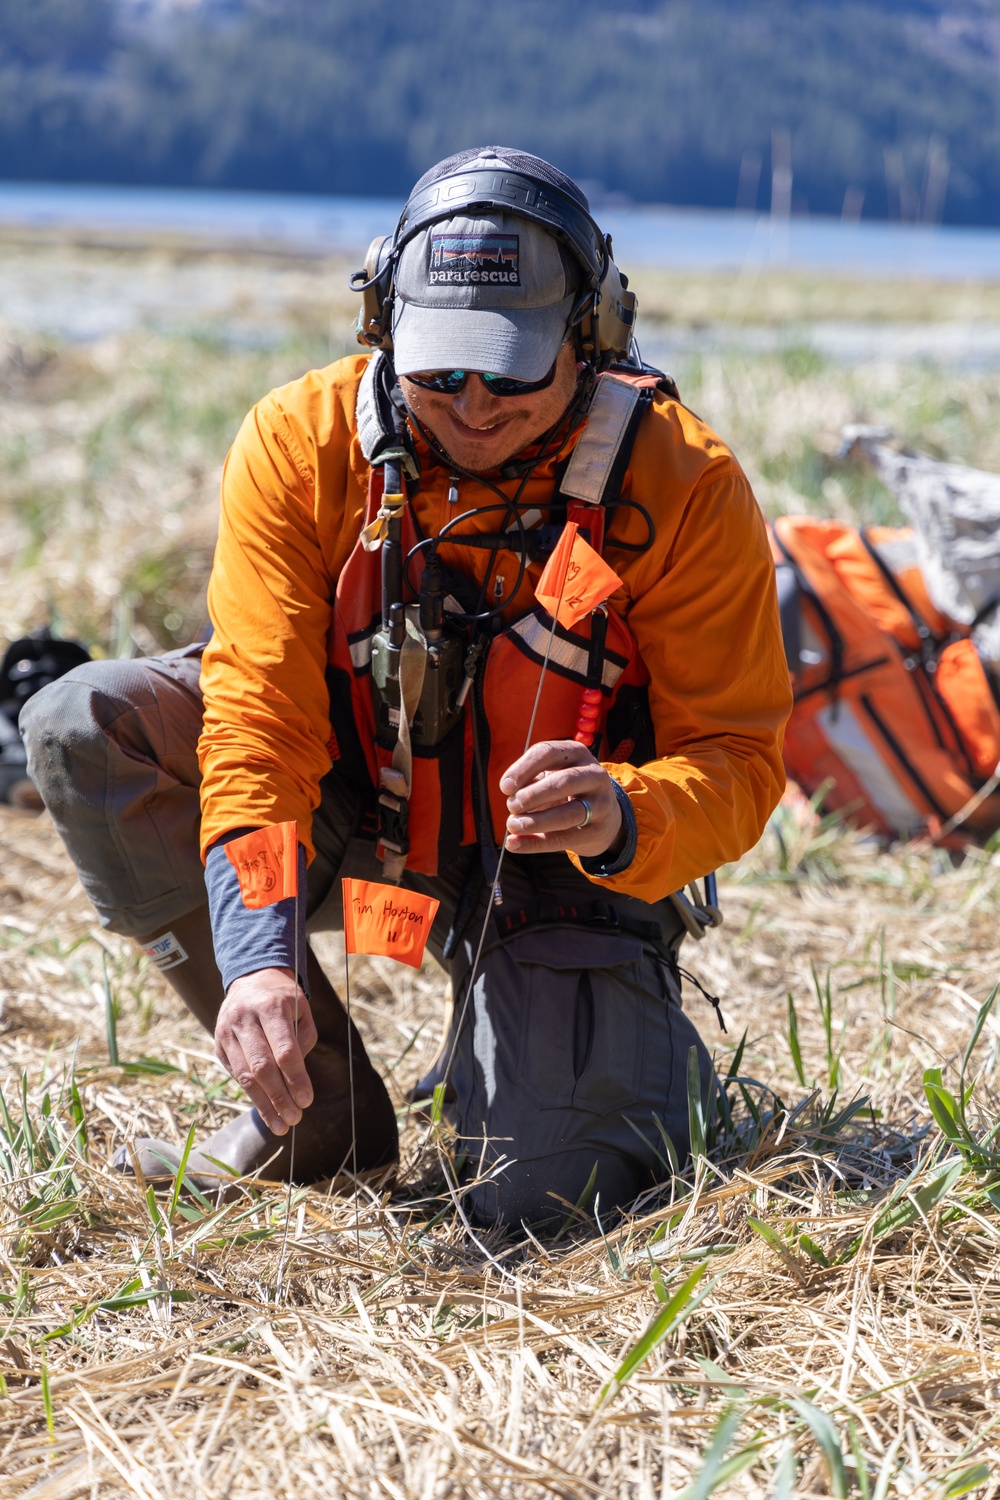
<point x="833" y="635"/>
<point x="930" y="648"/>
<point x="986" y="609"/>
<point x="713" y="1000"/>
<point x="924" y="633"/>
<point x="597" y="915"/>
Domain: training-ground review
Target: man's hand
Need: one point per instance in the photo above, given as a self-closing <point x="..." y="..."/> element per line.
<point x="255" y="1041"/>
<point x="544" y="791"/>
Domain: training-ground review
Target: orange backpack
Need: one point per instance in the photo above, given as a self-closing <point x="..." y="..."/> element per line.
<point x="894" y="712"/>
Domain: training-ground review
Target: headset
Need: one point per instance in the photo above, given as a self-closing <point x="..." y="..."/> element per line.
<point x="603" y="316"/>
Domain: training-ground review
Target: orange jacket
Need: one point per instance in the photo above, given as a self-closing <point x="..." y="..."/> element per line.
<point x="700" y="602"/>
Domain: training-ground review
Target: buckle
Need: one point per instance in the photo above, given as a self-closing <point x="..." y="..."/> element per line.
<point x="394" y="822"/>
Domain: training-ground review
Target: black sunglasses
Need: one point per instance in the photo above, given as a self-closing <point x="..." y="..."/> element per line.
<point x="450" y="382"/>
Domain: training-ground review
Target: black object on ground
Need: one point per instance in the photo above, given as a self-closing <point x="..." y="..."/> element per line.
<point x="29" y="664"/>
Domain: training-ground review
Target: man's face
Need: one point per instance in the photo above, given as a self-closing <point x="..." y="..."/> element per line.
<point x="480" y="431"/>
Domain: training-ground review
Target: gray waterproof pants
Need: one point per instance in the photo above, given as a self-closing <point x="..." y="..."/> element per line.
<point x="574" y="1049"/>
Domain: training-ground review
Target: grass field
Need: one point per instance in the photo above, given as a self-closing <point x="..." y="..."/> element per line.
<point x="812" y="1309"/>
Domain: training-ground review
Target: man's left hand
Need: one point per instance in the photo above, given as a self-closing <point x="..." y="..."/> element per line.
<point x="545" y="793"/>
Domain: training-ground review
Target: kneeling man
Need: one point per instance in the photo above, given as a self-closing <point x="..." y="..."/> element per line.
<point x="388" y="516"/>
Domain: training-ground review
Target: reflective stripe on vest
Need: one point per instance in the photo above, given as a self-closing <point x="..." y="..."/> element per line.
<point x="533" y="631"/>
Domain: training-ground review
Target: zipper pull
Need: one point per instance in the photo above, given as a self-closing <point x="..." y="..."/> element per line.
<point x="498" y="586"/>
<point x="453" y="489"/>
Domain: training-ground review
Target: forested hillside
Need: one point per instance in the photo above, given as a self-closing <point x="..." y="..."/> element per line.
<point x="880" y="107"/>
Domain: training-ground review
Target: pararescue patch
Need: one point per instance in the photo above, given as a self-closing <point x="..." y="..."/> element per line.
<point x="474" y="260"/>
<point x="166" y="952"/>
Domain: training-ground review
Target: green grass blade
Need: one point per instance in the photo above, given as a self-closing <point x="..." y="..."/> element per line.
<point x="737" y="1462"/>
<point x="578" y="1213"/>
<point x="786" y="1474"/>
<point x="712" y="1371"/>
<point x="179" y="1174"/>
<point x="947" y="1112"/>
<point x="886" y="1473"/>
<point x="79" y="1120"/>
<point x="110" y="1015"/>
<point x="966" y="1480"/>
<point x="670" y="1316"/>
<point x="696" y="1113"/>
<point x="834" y="1123"/>
<point x="50" y="1416"/>
<point x="27" y="1132"/>
<point x="832" y="1057"/>
<point x="981" y="1018"/>
<point x="51" y="1214"/>
<point x="793" y="1040"/>
<point x="768" y="1235"/>
<point x="647" y="1143"/>
<point x="615" y="1261"/>
<point x="141" y="1299"/>
<point x="734" y="1066"/>
<point x="901" y="1213"/>
<point x="815" y="1252"/>
<point x="8" y="1124"/>
<point x="710" y="1475"/>
<point x="659" y="1285"/>
<point x="156" y="1218"/>
<point x="860" y="1462"/>
<point x="669" y="1148"/>
<point x="824" y="1430"/>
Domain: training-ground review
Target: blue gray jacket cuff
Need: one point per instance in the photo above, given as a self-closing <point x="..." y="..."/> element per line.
<point x="249" y="940"/>
<point x="597" y="864"/>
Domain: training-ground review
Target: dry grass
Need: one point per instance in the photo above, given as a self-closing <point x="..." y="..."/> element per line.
<point x="768" y="296"/>
<point x="848" y="1331"/>
<point x="111" y="445"/>
<point x="814" y="1309"/>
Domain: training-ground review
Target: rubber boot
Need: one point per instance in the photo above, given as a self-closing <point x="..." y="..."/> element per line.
<point x="196" y="979"/>
<point x="244" y="1145"/>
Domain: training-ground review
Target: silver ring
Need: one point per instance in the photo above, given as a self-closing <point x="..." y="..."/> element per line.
<point x="589" y="813"/>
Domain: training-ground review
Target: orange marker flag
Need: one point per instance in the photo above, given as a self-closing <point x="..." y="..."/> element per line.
<point x="267" y="864"/>
<point x="384" y="920"/>
<point x="575" y="580"/>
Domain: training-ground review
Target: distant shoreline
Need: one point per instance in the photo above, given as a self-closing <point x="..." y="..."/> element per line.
<point x="652" y="237"/>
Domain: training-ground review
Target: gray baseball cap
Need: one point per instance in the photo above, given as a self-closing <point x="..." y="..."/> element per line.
<point x="489" y="293"/>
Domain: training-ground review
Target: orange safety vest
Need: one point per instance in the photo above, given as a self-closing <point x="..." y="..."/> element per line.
<point x="446" y="794"/>
<point x="894" y="713"/>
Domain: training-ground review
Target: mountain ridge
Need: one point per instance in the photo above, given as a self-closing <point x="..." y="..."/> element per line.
<point x="873" y="108"/>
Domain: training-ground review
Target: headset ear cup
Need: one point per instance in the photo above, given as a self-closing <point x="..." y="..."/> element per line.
<point x="584" y="327"/>
<point x="374" y="282"/>
<point x="617" y="313"/>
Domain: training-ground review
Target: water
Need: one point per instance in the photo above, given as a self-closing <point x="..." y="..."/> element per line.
<point x="647" y="236"/>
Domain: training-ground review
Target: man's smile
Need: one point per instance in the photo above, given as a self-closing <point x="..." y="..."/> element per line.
<point x="479" y="430"/>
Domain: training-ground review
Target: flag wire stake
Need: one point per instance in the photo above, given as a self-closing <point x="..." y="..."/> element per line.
<point x="295" y="1029"/>
<point x="474" y="971"/>
<point x="350" y="1085"/>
